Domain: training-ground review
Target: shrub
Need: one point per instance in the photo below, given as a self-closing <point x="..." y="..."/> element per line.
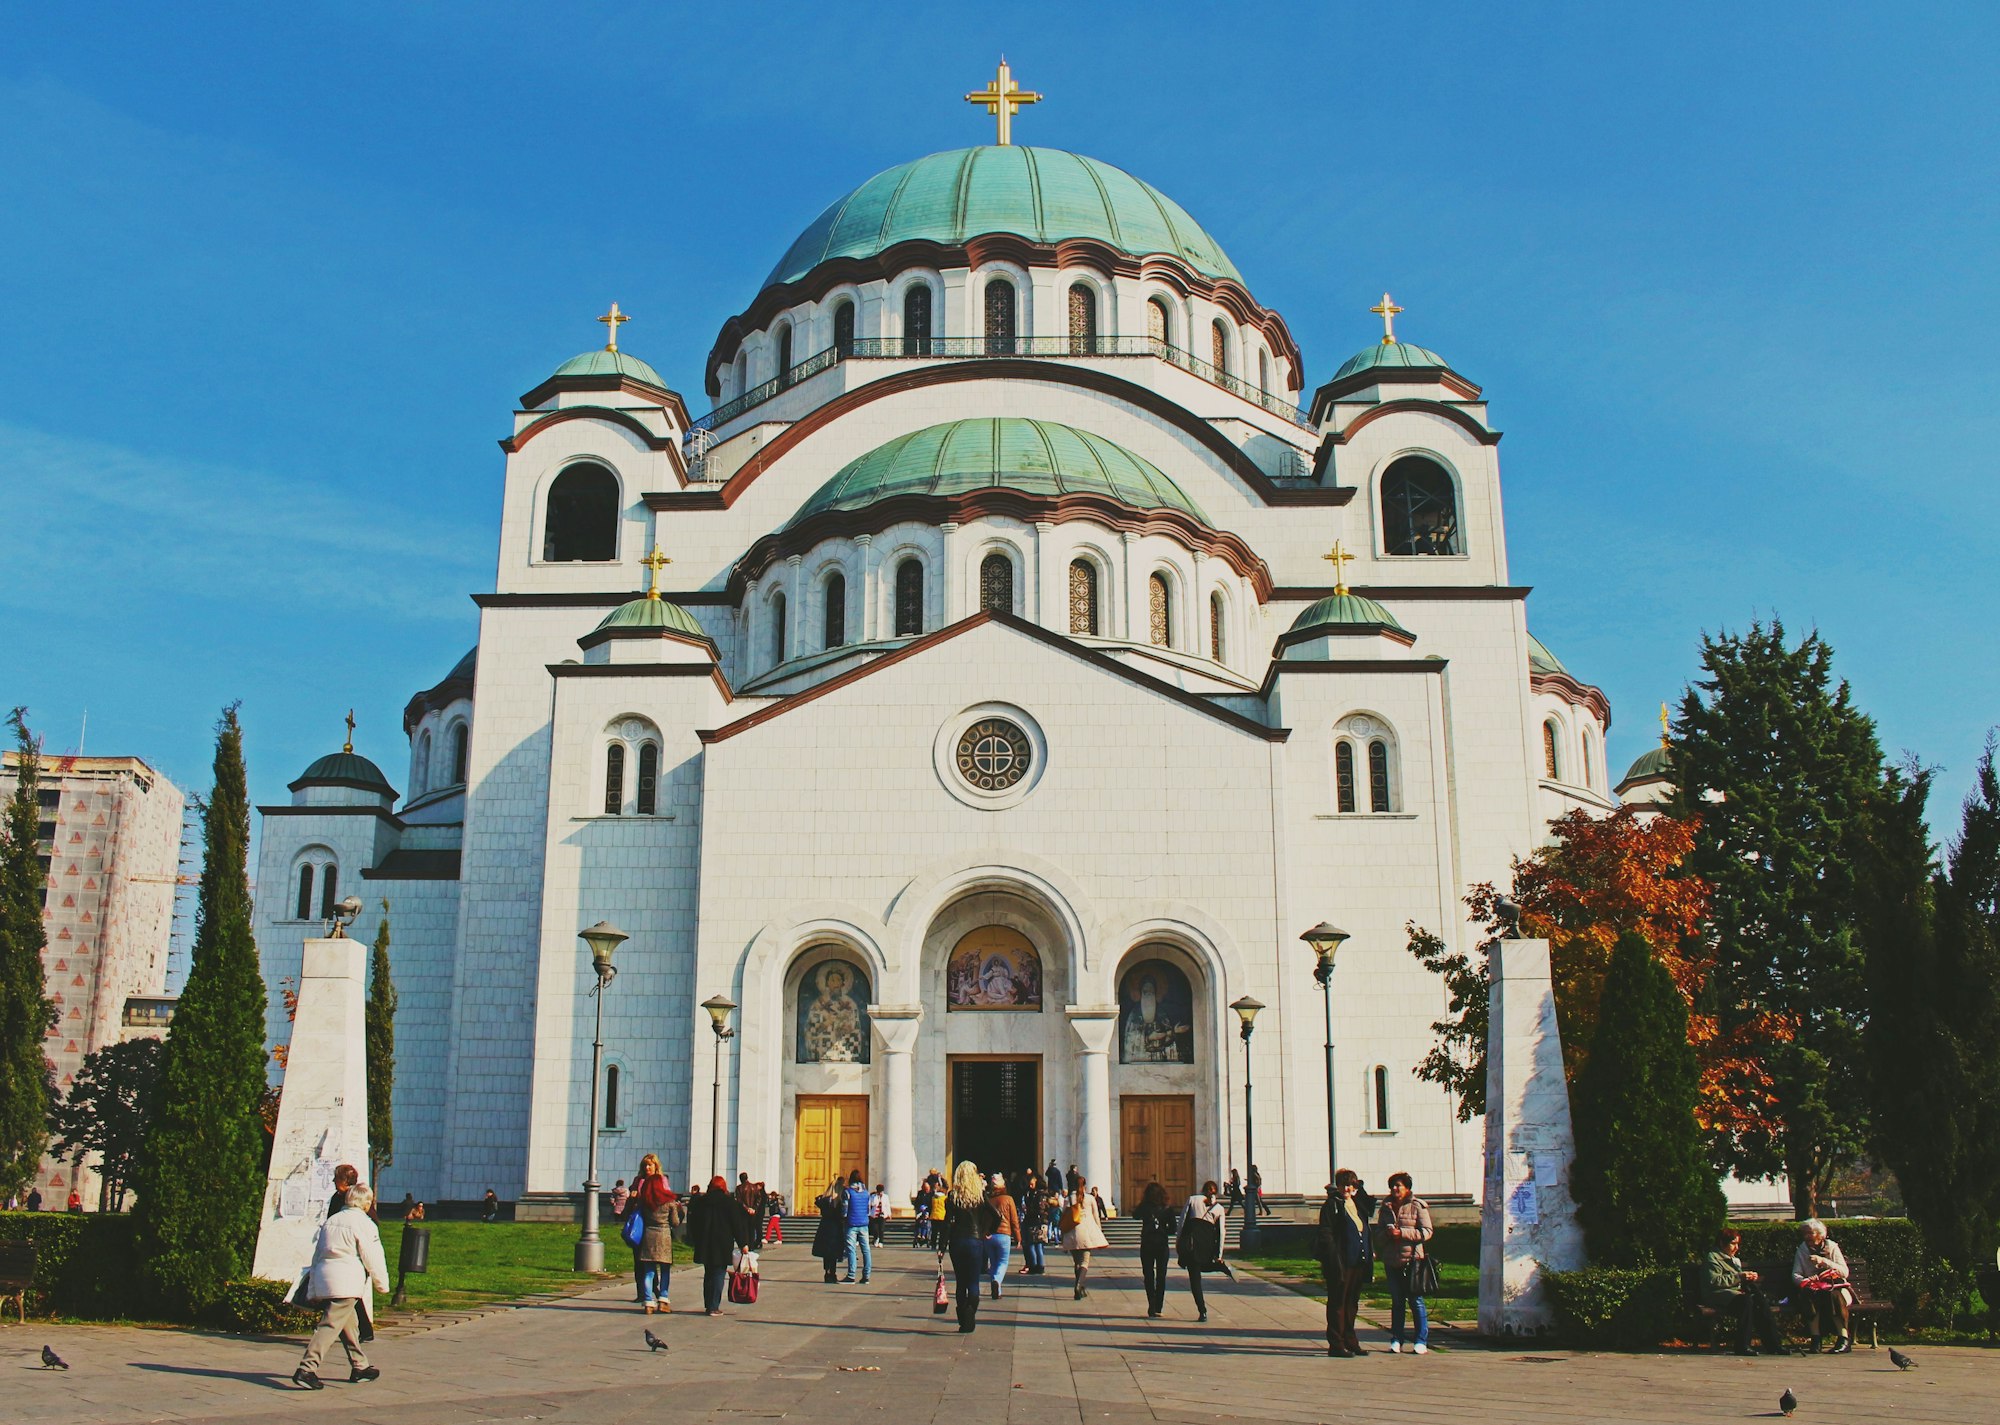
<point x="83" y="1262"/>
<point x="258" y="1307"/>
<point x="1625" y="1309"/>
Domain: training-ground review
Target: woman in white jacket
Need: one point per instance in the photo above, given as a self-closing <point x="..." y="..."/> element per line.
<point x="347" y="1261"/>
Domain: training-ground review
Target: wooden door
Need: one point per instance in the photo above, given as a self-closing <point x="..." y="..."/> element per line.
<point x="830" y="1136"/>
<point x="1157" y="1134"/>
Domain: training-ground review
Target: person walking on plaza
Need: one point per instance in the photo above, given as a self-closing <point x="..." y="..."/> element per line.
<point x="345" y="1176"/>
<point x="920" y="1231"/>
<point x="857" y="1229"/>
<point x="1156" y="1233"/>
<point x="718" y="1227"/>
<point x="878" y="1216"/>
<point x="1819" y="1269"/>
<point x="967" y="1230"/>
<point x="658" y="1207"/>
<point x="1253" y="1190"/>
<point x="1083" y="1230"/>
<point x="347" y="1263"/>
<point x="774" y="1219"/>
<point x="1200" y="1242"/>
<point x="1005" y="1237"/>
<point x="1342" y="1248"/>
<point x="1232" y="1189"/>
<point x="1405" y="1221"/>
<point x="1728" y="1288"/>
<point x="830" y="1237"/>
<point x="1052" y="1177"/>
<point x="1034" y="1205"/>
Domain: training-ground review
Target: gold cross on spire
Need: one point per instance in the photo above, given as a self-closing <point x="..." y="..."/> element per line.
<point x="613" y="319"/>
<point x="1665" y="737"/>
<point x="1340" y="559"/>
<point x="1387" y="309"/>
<point x="655" y="562"/>
<point x="348" y="746"/>
<point x="1003" y="98"/>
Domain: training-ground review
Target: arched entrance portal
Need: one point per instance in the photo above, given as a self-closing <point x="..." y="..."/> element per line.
<point x="1166" y="1076"/>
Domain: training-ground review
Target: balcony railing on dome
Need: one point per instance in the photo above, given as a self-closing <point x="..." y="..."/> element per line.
<point x="969" y="348"/>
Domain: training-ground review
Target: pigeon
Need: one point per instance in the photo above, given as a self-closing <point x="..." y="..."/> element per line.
<point x="654" y="1343"/>
<point x="1901" y="1361"/>
<point x="52" y="1362"/>
<point x="1788" y="1402"/>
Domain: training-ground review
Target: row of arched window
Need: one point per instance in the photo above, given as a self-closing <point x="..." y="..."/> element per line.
<point x="645" y="791"/>
<point x="426" y="776"/>
<point x="1554" y="767"/>
<point x="1364" y="766"/>
<point x="317" y="871"/>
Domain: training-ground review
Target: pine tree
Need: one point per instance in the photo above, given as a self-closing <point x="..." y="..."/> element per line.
<point x="1783" y="774"/>
<point x="27" y="1088"/>
<point x="105" y="1111"/>
<point x="200" y="1178"/>
<point x="1645" y="1191"/>
<point x="380" y="1020"/>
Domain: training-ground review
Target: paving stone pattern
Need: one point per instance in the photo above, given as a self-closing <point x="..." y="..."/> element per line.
<point x="1038" y="1356"/>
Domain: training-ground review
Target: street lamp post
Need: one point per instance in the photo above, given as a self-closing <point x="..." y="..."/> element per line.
<point x="603" y="938"/>
<point x="719" y="1008"/>
<point x="1326" y="941"/>
<point x="1246" y="1010"/>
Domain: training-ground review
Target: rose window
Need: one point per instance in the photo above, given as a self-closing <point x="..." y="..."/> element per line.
<point x="994" y="754"/>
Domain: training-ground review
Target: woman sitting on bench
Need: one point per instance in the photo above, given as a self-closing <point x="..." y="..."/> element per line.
<point x="1728" y="1288"/>
<point x="1820" y="1271"/>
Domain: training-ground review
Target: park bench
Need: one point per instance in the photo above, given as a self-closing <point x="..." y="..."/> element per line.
<point x="1711" y="1322"/>
<point x="17" y="1276"/>
<point x="1867" y="1306"/>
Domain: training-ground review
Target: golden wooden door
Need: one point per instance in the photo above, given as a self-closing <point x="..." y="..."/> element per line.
<point x="1157" y="1137"/>
<point x="830" y="1136"/>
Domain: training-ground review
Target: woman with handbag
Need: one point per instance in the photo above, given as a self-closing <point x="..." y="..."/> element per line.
<point x="649" y="1229"/>
<point x="1034" y="1224"/>
<point x="830" y="1236"/>
<point x="1083" y="1230"/>
<point x="1405" y="1223"/>
<point x="719" y="1228"/>
<point x="970" y="1222"/>
<point x="1200" y="1243"/>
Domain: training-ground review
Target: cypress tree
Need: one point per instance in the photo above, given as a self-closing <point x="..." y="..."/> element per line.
<point x="379" y="1018"/>
<point x="1783" y="774"/>
<point x="27" y="1089"/>
<point x="1646" y="1193"/>
<point x="200" y="1178"/>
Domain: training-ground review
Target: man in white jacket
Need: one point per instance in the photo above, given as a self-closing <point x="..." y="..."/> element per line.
<point x="346" y="1262"/>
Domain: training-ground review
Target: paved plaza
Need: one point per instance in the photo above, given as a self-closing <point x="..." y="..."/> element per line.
<point x="813" y="1352"/>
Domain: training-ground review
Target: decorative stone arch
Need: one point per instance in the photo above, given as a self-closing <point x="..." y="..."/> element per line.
<point x="1218" y="625"/>
<point x="1181" y="619"/>
<point x="1360" y="729"/>
<point x="772" y="627"/>
<point x="1025" y="327"/>
<point x="1102" y="292"/>
<point x="310" y="860"/>
<point x="631" y="733"/>
<point x="544" y="488"/>
<point x="1014" y="551"/>
<point x="1563" y="749"/>
<point x="823" y="314"/>
<point x="1378" y="509"/>
<point x="1110" y="588"/>
<point x="898" y="301"/>
<point x="1171" y="305"/>
<point x="929" y="556"/>
<point x="931" y="892"/>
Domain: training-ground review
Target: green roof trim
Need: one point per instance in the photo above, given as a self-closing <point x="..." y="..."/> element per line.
<point x="1398" y="354"/>
<point x="605" y="362"/>
<point x="1043" y="194"/>
<point x="1540" y="660"/>
<point x="344" y="769"/>
<point x="1000" y="452"/>
<point x="1349" y="609"/>
<point x="654" y="616"/>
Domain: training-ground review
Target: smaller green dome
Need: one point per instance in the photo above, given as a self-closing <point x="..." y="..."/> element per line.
<point x="1652" y="764"/>
<point x="1392" y="353"/>
<point x="1350" y="609"/>
<point x="1540" y="660"/>
<point x="344" y="769"/>
<point x="654" y="615"/>
<point x="605" y="362"/>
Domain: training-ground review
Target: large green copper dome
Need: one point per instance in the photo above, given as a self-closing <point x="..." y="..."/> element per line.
<point x="1044" y="194"/>
<point x="1011" y="452"/>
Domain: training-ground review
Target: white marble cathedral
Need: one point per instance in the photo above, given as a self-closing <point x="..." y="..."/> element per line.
<point x="1035" y="662"/>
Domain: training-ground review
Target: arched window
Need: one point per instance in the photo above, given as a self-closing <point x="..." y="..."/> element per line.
<point x="649" y="778"/>
<point x="1343" y="774"/>
<point x="1378" y="1099"/>
<point x="461" y="748"/>
<point x="1219" y="345"/>
<point x="329" y="890"/>
<point x="835" y="629"/>
<point x="1215" y="627"/>
<point x="1551" y="758"/>
<point x="1001" y="321"/>
<point x="996" y="584"/>
<point x="1082" y="318"/>
<point x="777" y="629"/>
<point x="909" y="598"/>
<point x="611" y="1096"/>
<point x="420" y="775"/>
<point x="1263" y="370"/>
<point x="582" y="521"/>
<point x="305" y="892"/>
<point x="1160" y="611"/>
<point x="1157" y="330"/>
<point x="614" y="779"/>
<point x="1378" y="776"/>
<point x="917" y="320"/>
<point x="1583" y="744"/>
<point x="784" y="352"/>
<point x="1419" y="509"/>
<point x="1083" y="597"/>
<point x="843" y="328"/>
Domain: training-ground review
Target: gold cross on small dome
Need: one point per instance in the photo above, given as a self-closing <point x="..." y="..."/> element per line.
<point x="1665" y="735"/>
<point x="655" y="561"/>
<point x="613" y="319"/>
<point x="1340" y="559"/>
<point x="1003" y="98"/>
<point x="348" y="746"/>
<point x="1387" y="309"/>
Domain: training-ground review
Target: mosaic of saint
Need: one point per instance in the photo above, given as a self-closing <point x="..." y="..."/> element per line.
<point x="833" y="1014"/>
<point x="993" y="968"/>
<point x="1155" y="1015"/>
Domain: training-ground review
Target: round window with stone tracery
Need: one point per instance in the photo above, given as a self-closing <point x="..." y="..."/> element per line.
<point x="994" y="754"/>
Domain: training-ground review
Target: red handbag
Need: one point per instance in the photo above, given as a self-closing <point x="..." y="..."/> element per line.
<point x="743" y="1288"/>
<point x="940" y="1302"/>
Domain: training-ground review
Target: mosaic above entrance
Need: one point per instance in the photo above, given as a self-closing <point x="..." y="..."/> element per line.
<point x="993" y="968"/>
<point x="833" y="1014"/>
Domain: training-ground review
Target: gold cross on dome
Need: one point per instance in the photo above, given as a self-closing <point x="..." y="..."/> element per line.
<point x="613" y="319"/>
<point x="1387" y="309"/>
<point x="1003" y="98"/>
<point x="348" y="746"/>
<point x="1665" y="737"/>
<point x="1340" y="559"/>
<point x="655" y="561"/>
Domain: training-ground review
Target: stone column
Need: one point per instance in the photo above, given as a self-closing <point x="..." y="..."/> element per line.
<point x="1528" y="1219"/>
<point x="871" y="588"/>
<point x="1095" y="1025"/>
<point x="795" y="606"/>
<point x="323" y="1115"/>
<point x="950" y="604"/>
<point x="896" y="1028"/>
<point x="1048" y="594"/>
<point x="1134" y="618"/>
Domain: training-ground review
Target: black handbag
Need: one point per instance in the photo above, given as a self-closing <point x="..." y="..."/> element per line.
<point x="1423" y="1277"/>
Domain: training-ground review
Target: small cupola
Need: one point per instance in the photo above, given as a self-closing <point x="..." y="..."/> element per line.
<point x="1322" y="629"/>
<point x="649" y="629"/>
<point x="343" y="778"/>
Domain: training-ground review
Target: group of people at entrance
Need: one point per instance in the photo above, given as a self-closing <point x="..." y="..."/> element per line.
<point x="978" y="1223"/>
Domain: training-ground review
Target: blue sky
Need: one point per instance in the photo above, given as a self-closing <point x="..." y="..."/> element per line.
<point x="272" y="278"/>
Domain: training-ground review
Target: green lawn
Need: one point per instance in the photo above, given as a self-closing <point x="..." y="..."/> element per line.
<point x="476" y="1262"/>
<point x="1455" y="1249"/>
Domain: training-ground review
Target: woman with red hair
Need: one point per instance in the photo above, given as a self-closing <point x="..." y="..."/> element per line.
<point x="717" y="1227"/>
<point x="653" y="1259"/>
